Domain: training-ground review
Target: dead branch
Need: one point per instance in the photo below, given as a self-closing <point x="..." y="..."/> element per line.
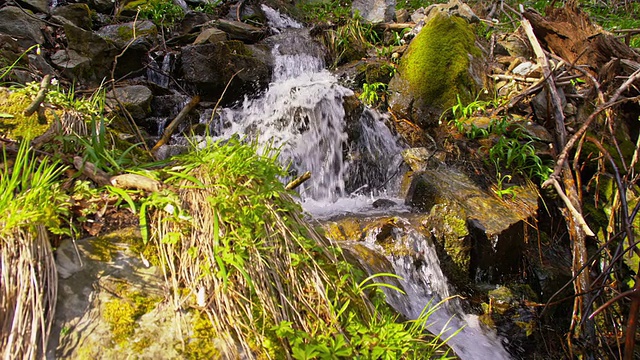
<point x="42" y="93"/>
<point x="298" y="181"/>
<point x="88" y="169"/>
<point x="171" y="128"/>
<point x="574" y="212"/>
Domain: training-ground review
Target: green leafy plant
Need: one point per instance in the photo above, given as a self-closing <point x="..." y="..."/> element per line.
<point x="162" y="13"/>
<point x="373" y="94"/>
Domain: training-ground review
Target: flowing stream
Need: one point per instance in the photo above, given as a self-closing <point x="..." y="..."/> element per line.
<point x="353" y="160"/>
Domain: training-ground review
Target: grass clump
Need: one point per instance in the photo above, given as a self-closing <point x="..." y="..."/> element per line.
<point x="234" y="247"/>
<point x="31" y="205"/>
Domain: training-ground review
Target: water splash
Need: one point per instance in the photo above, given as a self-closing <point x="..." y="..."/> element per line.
<point x="277" y="21"/>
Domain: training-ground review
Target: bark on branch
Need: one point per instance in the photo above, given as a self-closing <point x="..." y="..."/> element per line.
<point x="171" y="128"/>
<point x="35" y="104"/>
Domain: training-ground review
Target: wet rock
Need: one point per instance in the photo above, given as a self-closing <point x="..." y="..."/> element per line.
<point x="497" y="228"/>
<point x="193" y="21"/>
<point x="447" y="224"/>
<point x="135" y="98"/>
<point x="78" y="14"/>
<point x="384" y="204"/>
<point x="211" y="66"/>
<point x="102" y="6"/>
<point x="417" y="158"/>
<point x="241" y="31"/>
<point x="24" y="27"/>
<point x="375" y="11"/>
<point x="211" y="35"/>
<point x="441" y="63"/>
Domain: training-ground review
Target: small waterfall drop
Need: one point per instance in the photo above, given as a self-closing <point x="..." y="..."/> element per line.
<point x="302" y="113"/>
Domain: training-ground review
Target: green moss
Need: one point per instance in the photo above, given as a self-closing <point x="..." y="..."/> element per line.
<point x="13" y="123"/>
<point x="202" y="344"/>
<point x="125" y="32"/>
<point x="437" y="62"/>
<point x="123" y="312"/>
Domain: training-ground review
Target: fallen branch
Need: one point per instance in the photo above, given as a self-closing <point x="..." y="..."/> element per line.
<point x="171" y="128"/>
<point x="298" y="181"/>
<point x="574" y="212"/>
<point x="88" y="169"/>
<point x="35" y="104"/>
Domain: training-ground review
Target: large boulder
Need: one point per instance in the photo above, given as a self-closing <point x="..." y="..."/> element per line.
<point x="441" y="63"/>
<point x="111" y="305"/>
<point x="78" y="14"/>
<point x="41" y="6"/>
<point x="22" y="26"/>
<point x="211" y="66"/>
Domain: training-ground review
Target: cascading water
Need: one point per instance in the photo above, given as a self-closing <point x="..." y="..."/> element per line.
<point x="302" y="112"/>
<point x="424" y="284"/>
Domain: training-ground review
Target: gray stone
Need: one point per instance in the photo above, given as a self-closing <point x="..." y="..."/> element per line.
<point x="211" y="35"/>
<point x="88" y="44"/>
<point x="25" y="28"/>
<point x="121" y="34"/>
<point x="375" y="11"/>
<point x="135" y="98"/>
<point x="541" y="106"/>
<point x="211" y="66"/>
<point x="40" y="64"/>
<point x="72" y="64"/>
<point x="241" y="31"/>
<point x="41" y="6"/>
<point x="452" y="8"/>
<point x="102" y="280"/>
<point x="78" y="14"/>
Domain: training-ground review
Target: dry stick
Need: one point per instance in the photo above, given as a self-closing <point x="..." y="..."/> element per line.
<point x="91" y="171"/>
<point x="562" y="158"/>
<point x="171" y="128"/>
<point x="35" y="104"/>
<point x="298" y="181"/>
<point x="571" y="199"/>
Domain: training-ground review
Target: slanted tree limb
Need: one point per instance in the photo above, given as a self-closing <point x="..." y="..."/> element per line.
<point x="42" y="93"/>
<point x="576" y="226"/>
<point x="171" y="128"/>
<point x="298" y="181"/>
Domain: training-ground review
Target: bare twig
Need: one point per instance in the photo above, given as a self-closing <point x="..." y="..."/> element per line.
<point x="171" y="128"/>
<point x="35" y="104"/>
<point x="298" y="181"/>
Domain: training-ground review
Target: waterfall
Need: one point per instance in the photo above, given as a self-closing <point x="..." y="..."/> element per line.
<point x="351" y="160"/>
<point x="302" y="113"/>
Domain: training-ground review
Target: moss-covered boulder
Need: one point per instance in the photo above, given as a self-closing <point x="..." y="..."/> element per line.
<point x="441" y="63"/>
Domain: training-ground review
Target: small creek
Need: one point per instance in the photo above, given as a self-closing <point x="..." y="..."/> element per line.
<point x="353" y="162"/>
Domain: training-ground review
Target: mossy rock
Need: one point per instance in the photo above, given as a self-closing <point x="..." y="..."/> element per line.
<point x="448" y="225"/>
<point x="13" y="123"/>
<point x="440" y="64"/>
